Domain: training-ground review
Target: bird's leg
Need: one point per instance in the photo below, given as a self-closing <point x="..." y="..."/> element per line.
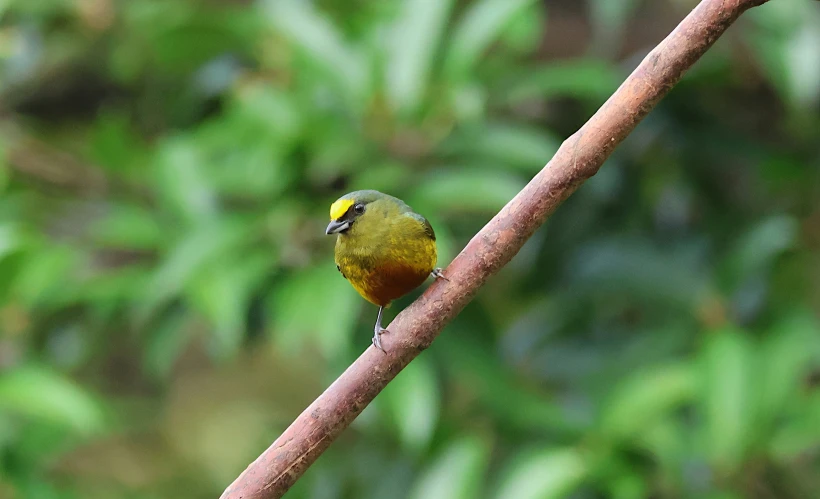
<point x="378" y="330"/>
<point x="438" y="274"/>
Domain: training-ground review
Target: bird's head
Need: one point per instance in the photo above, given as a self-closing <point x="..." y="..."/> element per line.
<point x="356" y="207"/>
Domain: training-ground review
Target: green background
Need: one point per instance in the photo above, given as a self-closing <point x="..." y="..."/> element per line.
<point x="169" y="302"/>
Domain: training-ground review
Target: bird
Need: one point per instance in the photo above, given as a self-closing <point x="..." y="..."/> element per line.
<point x="383" y="248"/>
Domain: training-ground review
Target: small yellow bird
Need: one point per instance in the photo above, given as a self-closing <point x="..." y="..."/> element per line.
<point x="384" y="248"/>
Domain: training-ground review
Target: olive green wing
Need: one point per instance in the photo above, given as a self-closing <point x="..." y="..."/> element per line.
<point x="428" y="229"/>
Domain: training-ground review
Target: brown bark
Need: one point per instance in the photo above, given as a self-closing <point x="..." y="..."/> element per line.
<point x="415" y="328"/>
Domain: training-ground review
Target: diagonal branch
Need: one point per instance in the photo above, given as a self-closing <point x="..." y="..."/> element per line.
<point x="415" y="328"/>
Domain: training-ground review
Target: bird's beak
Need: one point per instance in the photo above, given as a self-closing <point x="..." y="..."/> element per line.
<point x="336" y="226"/>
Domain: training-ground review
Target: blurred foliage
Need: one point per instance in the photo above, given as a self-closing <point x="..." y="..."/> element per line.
<point x="168" y="302"/>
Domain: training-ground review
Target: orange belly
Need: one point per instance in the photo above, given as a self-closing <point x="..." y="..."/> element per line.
<point x="385" y="283"/>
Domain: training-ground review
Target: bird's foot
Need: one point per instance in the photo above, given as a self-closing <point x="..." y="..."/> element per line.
<point x="377" y="338"/>
<point x="439" y="274"/>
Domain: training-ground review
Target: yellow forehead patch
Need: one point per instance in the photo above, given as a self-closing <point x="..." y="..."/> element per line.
<point x="339" y="208"/>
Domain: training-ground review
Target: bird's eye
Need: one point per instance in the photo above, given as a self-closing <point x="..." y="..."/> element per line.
<point x="359" y="208"/>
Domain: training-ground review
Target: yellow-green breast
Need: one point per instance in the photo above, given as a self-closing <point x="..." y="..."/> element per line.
<point x="388" y="250"/>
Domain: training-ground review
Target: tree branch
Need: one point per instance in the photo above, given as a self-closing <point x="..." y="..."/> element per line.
<point x="415" y="328"/>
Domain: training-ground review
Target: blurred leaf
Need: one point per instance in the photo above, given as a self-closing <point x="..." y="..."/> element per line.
<point x="545" y="474"/>
<point x="268" y="111"/>
<point x="258" y="171"/>
<point x="222" y="293"/>
<point x="44" y="274"/>
<point x="165" y="343"/>
<point x="722" y="495"/>
<point x="201" y="38"/>
<point x="755" y="251"/>
<point x="588" y="79"/>
<point x="469" y="103"/>
<point x="5" y="168"/>
<point x="10" y="239"/>
<point x="317" y="304"/>
<point x="456" y="473"/>
<point x="799" y="436"/>
<point x="631" y="268"/>
<point x="802" y="54"/>
<point x="787" y="49"/>
<point x="481" y="24"/>
<point x="107" y="289"/>
<point x="413" y="42"/>
<point x="525" y="31"/>
<point x="727" y="397"/>
<point x="785" y="357"/>
<point x="520" y="147"/>
<point x="129" y="226"/>
<point x="503" y="394"/>
<point x="114" y="144"/>
<point x="320" y="41"/>
<point x="181" y="180"/>
<point x="413" y="401"/>
<point x="669" y="442"/>
<point x="41" y="394"/>
<point x="647" y="397"/>
<point x="190" y="254"/>
<point x="609" y="18"/>
<point x="629" y="486"/>
<point x="466" y="189"/>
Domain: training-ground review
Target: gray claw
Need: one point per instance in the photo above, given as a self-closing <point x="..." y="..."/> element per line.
<point x="439" y="274"/>
<point x="377" y="339"/>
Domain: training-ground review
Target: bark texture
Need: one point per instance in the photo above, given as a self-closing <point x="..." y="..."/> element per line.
<point x="415" y="328"/>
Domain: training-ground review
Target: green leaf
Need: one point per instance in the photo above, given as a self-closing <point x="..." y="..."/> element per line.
<point x="525" y="31"/>
<point x="630" y="267"/>
<point x="317" y="304"/>
<point x="203" y="245"/>
<point x="522" y="147"/>
<point x="545" y="474"/>
<point x="589" y="79"/>
<point x="469" y="102"/>
<point x="721" y="494"/>
<point x="647" y="397"/>
<point x="269" y="111"/>
<point x="727" y="365"/>
<point x="668" y="441"/>
<point x="802" y="54"/>
<point x="481" y="25"/>
<point x="128" y="226"/>
<point x="45" y="273"/>
<point x="785" y="358"/>
<point x="413" y="42"/>
<point x="456" y="473"/>
<point x="307" y="28"/>
<point x="42" y="394"/>
<point x="109" y="288"/>
<point x="609" y="18"/>
<point x="466" y="189"/>
<point x="500" y="393"/>
<point x="222" y="293"/>
<point x="629" y="485"/>
<point x="10" y="239"/>
<point x="114" y="144"/>
<point x="413" y="402"/>
<point x="799" y="435"/>
<point x="165" y="343"/>
<point x="181" y="179"/>
<point x="756" y="250"/>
